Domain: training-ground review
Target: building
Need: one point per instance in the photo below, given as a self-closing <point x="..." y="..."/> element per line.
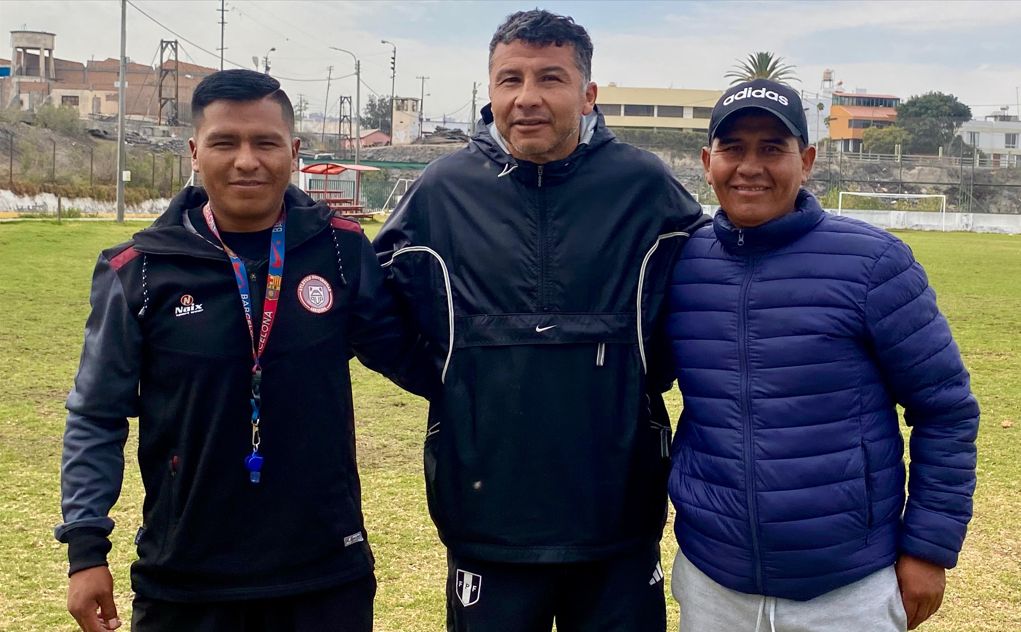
<point x="407" y="126"/>
<point x="657" y="108"/>
<point x="817" y="106"/>
<point x="997" y="136"/>
<point x="37" y="77"/>
<point x="851" y="113"/>
<point x="370" y="138"/>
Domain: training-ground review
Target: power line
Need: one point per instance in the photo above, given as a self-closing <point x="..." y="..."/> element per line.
<point x="269" y="28"/>
<point x="179" y="36"/>
<point x="297" y="28"/>
<point x="369" y="88"/>
<point x="206" y="50"/>
<point x="144" y="79"/>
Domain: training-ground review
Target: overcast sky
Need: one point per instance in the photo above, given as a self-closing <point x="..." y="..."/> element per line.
<point x="969" y="49"/>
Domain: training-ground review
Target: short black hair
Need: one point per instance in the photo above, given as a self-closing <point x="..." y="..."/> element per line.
<point x="543" y="28"/>
<point x="239" y="85"/>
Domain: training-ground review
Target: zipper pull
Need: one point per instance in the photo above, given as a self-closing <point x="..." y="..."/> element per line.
<point x="740" y="237"/>
<point x="540" y="176"/>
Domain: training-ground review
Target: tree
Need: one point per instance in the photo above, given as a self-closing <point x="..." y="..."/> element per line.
<point x="932" y="119"/>
<point x="884" y="140"/>
<point x="762" y="65"/>
<point x="376" y="114"/>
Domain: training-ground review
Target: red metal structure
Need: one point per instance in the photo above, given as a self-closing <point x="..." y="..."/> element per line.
<point x="335" y="197"/>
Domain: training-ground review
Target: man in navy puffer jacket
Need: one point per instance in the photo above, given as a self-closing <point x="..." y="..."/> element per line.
<point x="795" y="334"/>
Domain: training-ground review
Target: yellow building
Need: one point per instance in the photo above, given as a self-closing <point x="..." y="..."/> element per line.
<point x="657" y="108"/>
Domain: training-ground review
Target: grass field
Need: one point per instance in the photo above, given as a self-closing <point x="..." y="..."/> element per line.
<point x="44" y="288"/>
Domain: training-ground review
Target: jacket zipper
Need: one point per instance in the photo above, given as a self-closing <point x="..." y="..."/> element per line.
<point x="542" y="245"/>
<point x="746" y="420"/>
<point x="740" y="237"/>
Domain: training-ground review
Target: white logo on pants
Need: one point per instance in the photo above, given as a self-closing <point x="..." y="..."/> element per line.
<point x="469" y="587"/>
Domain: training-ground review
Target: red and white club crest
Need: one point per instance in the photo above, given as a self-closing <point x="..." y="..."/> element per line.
<point x="187" y="300"/>
<point x="315" y="294"/>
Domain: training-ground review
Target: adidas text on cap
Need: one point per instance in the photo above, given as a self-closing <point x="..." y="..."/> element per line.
<point x="776" y="99"/>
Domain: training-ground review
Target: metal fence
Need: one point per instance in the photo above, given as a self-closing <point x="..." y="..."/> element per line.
<point x="376" y="196"/>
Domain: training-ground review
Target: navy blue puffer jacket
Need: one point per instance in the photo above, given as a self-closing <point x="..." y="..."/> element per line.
<point x="793" y="341"/>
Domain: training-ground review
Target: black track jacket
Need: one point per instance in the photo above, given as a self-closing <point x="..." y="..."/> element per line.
<point x="167" y="342"/>
<point x="549" y="441"/>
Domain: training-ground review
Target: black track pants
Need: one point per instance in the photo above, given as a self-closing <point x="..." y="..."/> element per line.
<point x="623" y="594"/>
<point x="345" y="608"/>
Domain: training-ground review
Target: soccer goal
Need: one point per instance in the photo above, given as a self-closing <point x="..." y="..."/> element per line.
<point x="921" y="202"/>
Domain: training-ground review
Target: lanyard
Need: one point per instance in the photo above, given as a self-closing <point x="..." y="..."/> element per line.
<point x="269" y="311"/>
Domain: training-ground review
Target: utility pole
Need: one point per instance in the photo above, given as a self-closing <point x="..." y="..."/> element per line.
<point x="393" y="84"/>
<point x="121" y="114"/>
<point x="223" y="23"/>
<point x="326" y="108"/>
<point x="475" y="91"/>
<point x="421" y="109"/>
<point x="358" y="103"/>
<point x="358" y="111"/>
<point x="302" y="103"/>
<point x="265" y="61"/>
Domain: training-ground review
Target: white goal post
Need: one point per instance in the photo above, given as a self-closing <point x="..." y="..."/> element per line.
<point x="897" y="196"/>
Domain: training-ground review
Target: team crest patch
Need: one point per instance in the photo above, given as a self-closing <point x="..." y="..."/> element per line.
<point x="315" y="294"/>
<point x="469" y="588"/>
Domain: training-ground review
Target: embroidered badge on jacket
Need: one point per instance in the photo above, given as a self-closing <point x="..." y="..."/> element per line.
<point x="315" y="294"/>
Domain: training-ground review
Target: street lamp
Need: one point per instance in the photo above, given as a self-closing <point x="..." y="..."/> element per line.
<point x="393" y="83"/>
<point x="358" y="103"/>
<point x="265" y="60"/>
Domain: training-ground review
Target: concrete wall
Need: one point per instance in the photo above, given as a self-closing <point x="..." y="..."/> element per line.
<point x="47" y="203"/>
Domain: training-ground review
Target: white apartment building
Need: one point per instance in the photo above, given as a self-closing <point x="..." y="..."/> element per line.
<point x="998" y="136"/>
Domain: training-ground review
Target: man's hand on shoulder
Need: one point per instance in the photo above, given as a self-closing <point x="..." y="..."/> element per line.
<point x="922" y="585"/>
<point x="90" y="600"/>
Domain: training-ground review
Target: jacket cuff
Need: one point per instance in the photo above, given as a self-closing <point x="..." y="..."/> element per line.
<point x="928" y="551"/>
<point x="86" y="547"/>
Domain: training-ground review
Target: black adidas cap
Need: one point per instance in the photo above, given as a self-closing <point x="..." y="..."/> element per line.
<point x="778" y="100"/>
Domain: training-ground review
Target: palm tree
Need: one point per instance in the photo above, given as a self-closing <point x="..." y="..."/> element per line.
<point x="762" y="65"/>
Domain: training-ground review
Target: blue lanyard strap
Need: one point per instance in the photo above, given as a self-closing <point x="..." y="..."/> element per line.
<point x="269" y="311"/>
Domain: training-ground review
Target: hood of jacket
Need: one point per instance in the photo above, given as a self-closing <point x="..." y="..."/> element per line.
<point x="593" y="134"/>
<point x="174" y="232"/>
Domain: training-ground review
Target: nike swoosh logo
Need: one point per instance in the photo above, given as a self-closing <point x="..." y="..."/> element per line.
<point x="539" y="329"/>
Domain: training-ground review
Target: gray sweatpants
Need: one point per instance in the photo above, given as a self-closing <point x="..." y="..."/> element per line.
<point x="871" y="604"/>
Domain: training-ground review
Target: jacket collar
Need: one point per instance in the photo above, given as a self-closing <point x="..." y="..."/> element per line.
<point x="594" y="134"/>
<point x="174" y="233"/>
<point x="773" y="234"/>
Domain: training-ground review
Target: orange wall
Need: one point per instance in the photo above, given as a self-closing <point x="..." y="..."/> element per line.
<point x="840" y="119"/>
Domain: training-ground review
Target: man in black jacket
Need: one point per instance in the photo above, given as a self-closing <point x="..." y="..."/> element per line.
<point x="226" y="328"/>
<point x="537" y="258"/>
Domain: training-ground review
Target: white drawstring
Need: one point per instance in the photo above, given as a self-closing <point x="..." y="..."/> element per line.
<point x="507" y="168"/>
<point x="772" y="613"/>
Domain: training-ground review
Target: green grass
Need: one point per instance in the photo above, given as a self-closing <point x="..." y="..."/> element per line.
<point x="43" y="305"/>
